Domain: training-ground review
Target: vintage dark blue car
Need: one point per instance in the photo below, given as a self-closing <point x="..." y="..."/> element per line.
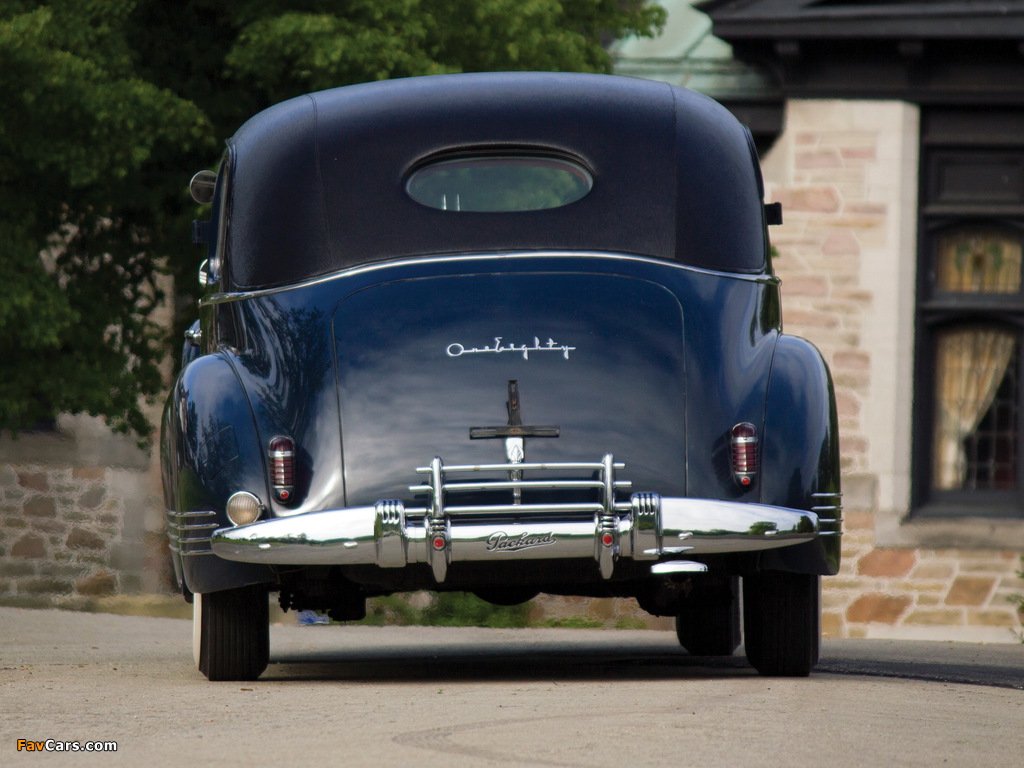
<point x="505" y="334"/>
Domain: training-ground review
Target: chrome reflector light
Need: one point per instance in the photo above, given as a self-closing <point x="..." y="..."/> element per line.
<point x="244" y="508"/>
<point x="744" y="453"/>
<point x="281" y="452"/>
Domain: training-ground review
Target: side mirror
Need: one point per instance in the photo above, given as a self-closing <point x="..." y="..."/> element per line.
<point x="201" y="187"/>
<point x="206" y="277"/>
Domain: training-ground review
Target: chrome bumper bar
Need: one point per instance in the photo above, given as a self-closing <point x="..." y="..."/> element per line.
<point x="645" y="527"/>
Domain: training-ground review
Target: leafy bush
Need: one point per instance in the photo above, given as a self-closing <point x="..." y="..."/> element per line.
<point x="446" y="609"/>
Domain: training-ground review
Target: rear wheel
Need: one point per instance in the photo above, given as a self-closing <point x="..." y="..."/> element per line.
<point x="231" y="633"/>
<point x="782" y="622"/>
<point x="708" y="618"/>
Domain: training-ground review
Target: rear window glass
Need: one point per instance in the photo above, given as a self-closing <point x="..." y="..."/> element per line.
<point x="499" y="183"/>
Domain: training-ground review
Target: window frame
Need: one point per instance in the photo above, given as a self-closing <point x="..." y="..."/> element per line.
<point x="946" y="138"/>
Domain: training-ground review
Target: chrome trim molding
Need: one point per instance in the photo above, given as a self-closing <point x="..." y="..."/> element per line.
<point x="188" y="533"/>
<point x="501" y="257"/>
<point x="829" y="509"/>
<point x="647" y="526"/>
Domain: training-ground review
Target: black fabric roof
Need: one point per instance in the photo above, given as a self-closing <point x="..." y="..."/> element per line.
<point x="317" y="182"/>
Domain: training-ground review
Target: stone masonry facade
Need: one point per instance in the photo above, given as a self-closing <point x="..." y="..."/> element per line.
<point x="73" y="529"/>
<point x="846" y="174"/>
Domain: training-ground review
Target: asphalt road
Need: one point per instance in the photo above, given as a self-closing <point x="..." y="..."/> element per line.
<point x="361" y="696"/>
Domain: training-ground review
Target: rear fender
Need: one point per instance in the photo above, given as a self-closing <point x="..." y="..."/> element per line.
<point x="217" y="452"/>
<point x="800" y="454"/>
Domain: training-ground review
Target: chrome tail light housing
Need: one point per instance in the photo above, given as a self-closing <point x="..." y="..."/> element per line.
<point x="743" y="448"/>
<point x="281" y="455"/>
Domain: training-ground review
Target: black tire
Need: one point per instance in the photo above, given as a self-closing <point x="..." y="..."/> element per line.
<point x="231" y="634"/>
<point x="708" y="618"/>
<point x="782" y="622"/>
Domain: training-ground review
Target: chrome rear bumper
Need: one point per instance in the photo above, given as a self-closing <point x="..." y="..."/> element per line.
<point x="645" y="527"/>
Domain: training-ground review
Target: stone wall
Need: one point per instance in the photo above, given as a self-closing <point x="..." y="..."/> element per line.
<point x="846" y="174"/>
<point x="79" y="518"/>
<point x="921" y="594"/>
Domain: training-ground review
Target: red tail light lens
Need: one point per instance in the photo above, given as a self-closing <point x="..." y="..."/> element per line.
<point x="281" y="452"/>
<point x="744" y="453"/>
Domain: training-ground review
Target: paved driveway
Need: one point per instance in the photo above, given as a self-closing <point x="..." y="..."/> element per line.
<point x="361" y="696"/>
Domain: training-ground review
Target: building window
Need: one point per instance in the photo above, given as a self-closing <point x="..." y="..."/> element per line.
<point x="968" y="436"/>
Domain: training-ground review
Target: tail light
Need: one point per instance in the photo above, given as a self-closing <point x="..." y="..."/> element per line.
<point x="744" y="453"/>
<point x="281" y="452"/>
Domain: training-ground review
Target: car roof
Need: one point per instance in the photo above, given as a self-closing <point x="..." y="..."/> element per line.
<point x="318" y="182"/>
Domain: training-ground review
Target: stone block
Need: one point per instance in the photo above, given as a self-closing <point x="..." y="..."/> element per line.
<point x="49" y="526"/>
<point x="69" y="571"/>
<point x="823" y="199"/>
<point x="851" y="360"/>
<point x="89" y="473"/>
<point x="878" y="607"/>
<point x="29" y="546"/>
<point x="866" y="208"/>
<point x="80" y="538"/>
<point x="1014" y="583"/>
<point x="889" y="563"/>
<point x="994" y="565"/>
<point x="8" y="476"/>
<point x="805" y="285"/>
<point x="992" y="617"/>
<point x="857" y="155"/>
<point x="40" y="506"/>
<point x="33" y="481"/>
<point x="17" y="568"/>
<point x="93" y="497"/>
<point x="832" y="624"/>
<point x="796" y="318"/>
<point x="970" y="591"/>
<point x="44" y="586"/>
<point x="821" y="158"/>
<point x="931" y="569"/>
<point x="936" y="617"/>
<point x="919" y="586"/>
<point x="833" y="599"/>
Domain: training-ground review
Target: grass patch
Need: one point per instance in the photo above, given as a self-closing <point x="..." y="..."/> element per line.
<point x="445" y="609"/>
<point x="572" y="622"/>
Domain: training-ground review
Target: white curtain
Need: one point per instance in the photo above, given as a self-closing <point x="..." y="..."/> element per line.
<point x="970" y="366"/>
<point x="970" y="361"/>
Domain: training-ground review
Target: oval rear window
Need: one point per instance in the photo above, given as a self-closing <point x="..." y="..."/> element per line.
<point x="499" y="183"/>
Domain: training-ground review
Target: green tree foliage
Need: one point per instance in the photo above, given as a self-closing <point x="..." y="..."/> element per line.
<point x="109" y="105"/>
<point x="78" y="134"/>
